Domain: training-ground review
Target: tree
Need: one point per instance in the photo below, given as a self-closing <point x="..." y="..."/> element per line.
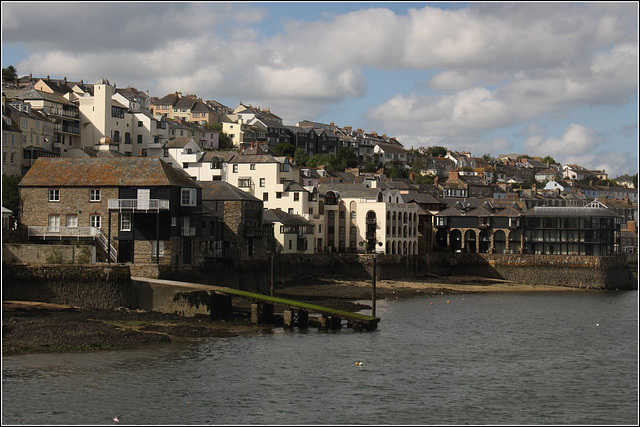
<point x="224" y="142"/>
<point x="397" y="173"/>
<point x="634" y="179"/>
<point x="10" y="194"/>
<point x="418" y="165"/>
<point x="284" y="149"/>
<point x="300" y="157"/>
<point x="549" y="160"/>
<point x="346" y="158"/>
<point x="9" y="74"/>
<point x="437" y="151"/>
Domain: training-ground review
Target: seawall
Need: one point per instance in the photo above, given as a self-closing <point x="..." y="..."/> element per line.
<point x="587" y="272"/>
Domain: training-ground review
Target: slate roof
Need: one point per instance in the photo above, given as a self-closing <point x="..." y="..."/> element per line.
<point x="254" y="158"/>
<point x="570" y="212"/>
<point x="178" y="142"/>
<point x="225" y="156"/>
<point x="420" y="198"/>
<point x="221" y="190"/>
<point x="393" y="149"/>
<point x="37" y="94"/>
<point x="128" y="171"/>
<point x="450" y="212"/>
<point x="168" y="99"/>
<point x="276" y="215"/>
<point x="349" y="190"/>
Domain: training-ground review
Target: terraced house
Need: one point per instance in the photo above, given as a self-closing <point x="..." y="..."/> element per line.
<point x="137" y="210"/>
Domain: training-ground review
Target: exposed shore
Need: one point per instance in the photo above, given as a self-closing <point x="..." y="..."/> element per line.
<point x="39" y="327"/>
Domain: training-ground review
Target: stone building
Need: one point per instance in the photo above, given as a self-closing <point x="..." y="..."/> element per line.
<point x="136" y="209"/>
<point x="233" y="223"/>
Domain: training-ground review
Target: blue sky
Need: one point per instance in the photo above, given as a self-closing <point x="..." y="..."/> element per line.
<point x="555" y="79"/>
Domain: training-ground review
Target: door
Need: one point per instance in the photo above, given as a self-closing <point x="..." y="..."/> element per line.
<point x="186" y="250"/>
<point x="143" y="199"/>
<point x="124" y="251"/>
<point x="54" y="224"/>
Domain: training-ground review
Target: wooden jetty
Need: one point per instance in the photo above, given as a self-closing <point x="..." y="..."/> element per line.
<point x="296" y="313"/>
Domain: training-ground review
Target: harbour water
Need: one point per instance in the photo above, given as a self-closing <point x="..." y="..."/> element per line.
<point x="498" y="358"/>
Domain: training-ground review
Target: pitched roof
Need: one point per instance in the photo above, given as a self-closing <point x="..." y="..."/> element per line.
<point x="168" y="99"/>
<point x="225" y="156"/>
<point x="276" y="215"/>
<point x="390" y="148"/>
<point x="221" y="190"/>
<point x="185" y="102"/>
<point x="349" y="190"/>
<point x="178" y="142"/>
<point x="129" y="171"/>
<point x="570" y="212"/>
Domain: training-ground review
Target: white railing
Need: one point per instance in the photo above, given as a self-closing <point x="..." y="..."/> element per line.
<point x="60" y="232"/>
<point x="104" y="242"/>
<point x="188" y="231"/>
<point x="136" y="204"/>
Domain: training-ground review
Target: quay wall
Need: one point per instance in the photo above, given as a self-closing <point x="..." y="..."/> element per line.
<point x="48" y="254"/>
<point x="90" y="286"/>
<point x="587" y="272"/>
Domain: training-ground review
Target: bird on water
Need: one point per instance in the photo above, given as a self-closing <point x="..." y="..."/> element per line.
<point x="116" y="420"/>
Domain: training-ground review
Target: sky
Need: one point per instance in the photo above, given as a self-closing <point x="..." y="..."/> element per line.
<point x="558" y="79"/>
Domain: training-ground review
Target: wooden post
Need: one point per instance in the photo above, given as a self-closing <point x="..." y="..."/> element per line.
<point x="133" y="236"/>
<point x="323" y="322"/>
<point x="336" y="322"/>
<point x="255" y="313"/>
<point x="373" y="290"/>
<point x="221" y="306"/>
<point x="303" y="319"/>
<point x="272" y="274"/>
<point x="287" y="318"/>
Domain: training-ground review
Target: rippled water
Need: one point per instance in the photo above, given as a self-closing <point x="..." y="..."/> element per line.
<point x="481" y="359"/>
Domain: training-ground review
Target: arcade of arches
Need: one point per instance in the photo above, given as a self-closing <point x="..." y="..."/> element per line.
<point x="470" y="240"/>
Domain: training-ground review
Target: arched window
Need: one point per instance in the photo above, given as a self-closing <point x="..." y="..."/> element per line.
<point x="353" y="214"/>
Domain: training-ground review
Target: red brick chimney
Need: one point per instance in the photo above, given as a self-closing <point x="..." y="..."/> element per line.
<point x="453" y="174"/>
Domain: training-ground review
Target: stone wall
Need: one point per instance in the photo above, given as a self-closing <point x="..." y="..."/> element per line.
<point x="172" y="299"/>
<point x="90" y="286"/>
<point x="587" y="272"/>
<point x="48" y="254"/>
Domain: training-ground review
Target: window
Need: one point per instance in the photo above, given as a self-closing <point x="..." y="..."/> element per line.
<point x="4" y="157"/>
<point x="174" y="221"/>
<point x="95" y="221"/>
<point x="139" y="139"/>
<point x="188" y="197"/>
<point x="352" y="230"/>
<point x="23" y="123"/>
<point x="125" y="222"/>
<point x="278" y="195"/>
<point x="244" y="183"/>
<point x="290" y="243"/>
<point x="185" y="165"/>
<point x="262" y="182"/>
<point x="94" y="196"/>
<point x="54" y="223"/>
<point x="353" y="214"/>
<point x="12" y="155"/>
<point x="154" y="248"/>
<point x="116" y="136"/>
<point x="72" y="221"/>
<point x="139" y="123"/>
<point x="265" y="197"/>
<point x="296" y="197"/>
<point x="310" y="211"/>
<point x="290" y="210"/>
<point x="235" y="168"/>
<point x="166" y="152"/>
<point x="332" y="214"/>
<point x="252" y="166"/>
<point x="54" y="195"/>
<point x="341" y="230"/>
<point x="341" y="215"/>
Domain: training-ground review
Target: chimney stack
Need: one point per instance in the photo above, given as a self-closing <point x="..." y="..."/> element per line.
<point x="453" y="174"/>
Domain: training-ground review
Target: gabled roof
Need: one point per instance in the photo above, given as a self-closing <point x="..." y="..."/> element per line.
<point x="420" y="198"/>
<point x="168" y="99"/>
<point x="349" y="190"/>
<point x="450" y="212"/>
<point x="128" y="171"/>
<point x="221" y="190"/>
<point x="509" y="212"/>
<point x="224" y="156"/>
<point x="184" y="102"/>
<point x="481" y="211"/>
<point x="393" y="149"/>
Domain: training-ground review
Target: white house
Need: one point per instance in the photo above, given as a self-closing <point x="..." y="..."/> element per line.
<point x="293" y="233"/>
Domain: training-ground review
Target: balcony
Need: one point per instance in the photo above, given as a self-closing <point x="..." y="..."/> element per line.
<point x="46" y="232"/>
<point x="187" y="231"/>
<point x="138" y="204"/>
<point x="259" y="231"/>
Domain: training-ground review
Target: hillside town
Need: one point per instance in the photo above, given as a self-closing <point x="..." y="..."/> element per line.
<point x="176" y="179"/>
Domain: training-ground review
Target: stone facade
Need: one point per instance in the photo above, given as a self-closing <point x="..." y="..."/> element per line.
<point x="35" y="207"/>
<point x="44" y="254"/>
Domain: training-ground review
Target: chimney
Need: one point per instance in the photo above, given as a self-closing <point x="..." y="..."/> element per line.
<point x="374" y="133"/>
<point x="348" y="128"/>
<point x="48" y="78"/>
<point x="412" y="176"/>
<point x="384" y="135"/>
<point x="332" y="124"/>
<point x="453" y="174"/>
<point x="65" y="80"/>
